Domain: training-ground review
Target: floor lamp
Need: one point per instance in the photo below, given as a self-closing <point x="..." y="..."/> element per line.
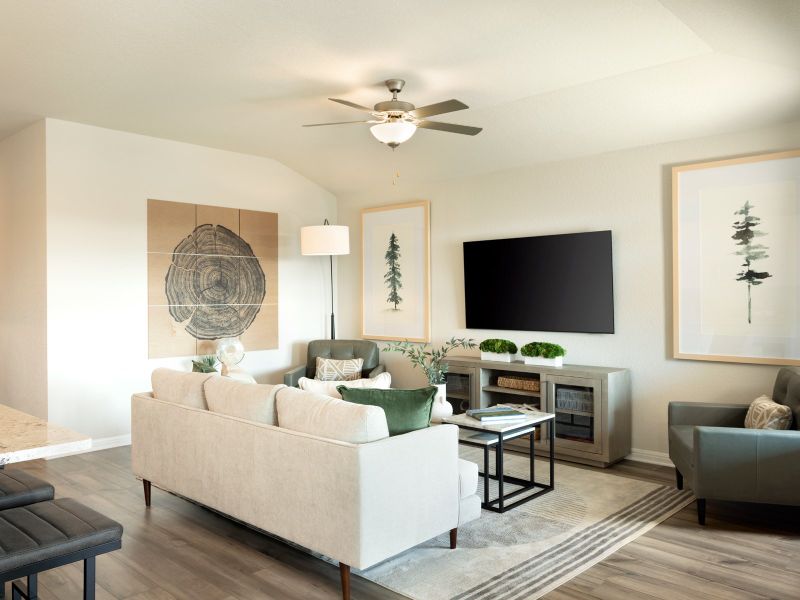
<point x="326" y="240"/>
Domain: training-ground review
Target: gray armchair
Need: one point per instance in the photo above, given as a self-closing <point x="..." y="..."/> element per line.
<point x="340" y="350"/>
<point x="721" y="460"/>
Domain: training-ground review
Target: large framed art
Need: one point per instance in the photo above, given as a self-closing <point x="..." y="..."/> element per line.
<point x="396" y="272"/>
<point x="736" y="259"/>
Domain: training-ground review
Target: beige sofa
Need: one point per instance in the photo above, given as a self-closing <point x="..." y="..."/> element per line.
<point x="251" y="452"/>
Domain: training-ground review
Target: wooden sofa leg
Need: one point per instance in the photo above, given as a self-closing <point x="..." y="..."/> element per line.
<point x="453" y="538"/>
<point x="678" y="479"/>
<point x="147" y="487"/>
<point x="344" y="571"/>
<point x="701" y="511"/>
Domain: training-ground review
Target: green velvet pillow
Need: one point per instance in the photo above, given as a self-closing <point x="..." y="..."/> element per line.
<point x="406" y="410"/>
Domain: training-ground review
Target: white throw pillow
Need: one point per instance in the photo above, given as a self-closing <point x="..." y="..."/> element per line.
<point x="330" y="418"/>
<point x="330" y="369"/>
<point x="764" y="413"/>
<point x="383" y="381"/>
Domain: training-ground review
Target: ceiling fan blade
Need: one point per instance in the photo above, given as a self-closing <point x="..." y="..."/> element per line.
<point x="351" y="104"/>
<point x="438" y="109"/>
<point x="450" y="127"/>
<point x="337" y="123"/>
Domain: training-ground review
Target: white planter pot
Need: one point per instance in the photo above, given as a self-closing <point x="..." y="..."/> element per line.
<point x="441" y="407"/>
<point x="558" y="361"/>
<point x="498" y="356"/>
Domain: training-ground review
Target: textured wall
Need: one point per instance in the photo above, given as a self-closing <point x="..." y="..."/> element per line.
<point x="628" y="192"/>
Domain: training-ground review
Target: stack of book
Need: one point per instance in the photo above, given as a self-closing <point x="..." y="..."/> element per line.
<point x="495" y="414"/>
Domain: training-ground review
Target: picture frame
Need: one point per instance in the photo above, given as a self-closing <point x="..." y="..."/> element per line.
<point x="736" y="259"/>
<point x="395" y="272"/>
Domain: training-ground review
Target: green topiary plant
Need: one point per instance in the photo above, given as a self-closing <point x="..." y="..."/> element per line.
<point x="205" y="364"/>
<point x="498" y="346"/>
<point x="430" y="360"/>
<point x="543" y="349"/>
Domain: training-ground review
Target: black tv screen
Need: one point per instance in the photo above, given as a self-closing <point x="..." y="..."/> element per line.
<point x="545" y="283"/>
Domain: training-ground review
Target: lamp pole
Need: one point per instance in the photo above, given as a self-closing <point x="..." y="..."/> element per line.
<point x="333" y="322"/>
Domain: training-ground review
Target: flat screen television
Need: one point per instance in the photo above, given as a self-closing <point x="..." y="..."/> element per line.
<point x="544" y="283"/>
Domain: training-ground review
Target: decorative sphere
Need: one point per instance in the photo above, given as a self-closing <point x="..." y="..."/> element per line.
<point x="230" y="351"/>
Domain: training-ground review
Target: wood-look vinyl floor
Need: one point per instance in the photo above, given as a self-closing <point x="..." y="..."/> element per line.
<point x="178" y="550"/>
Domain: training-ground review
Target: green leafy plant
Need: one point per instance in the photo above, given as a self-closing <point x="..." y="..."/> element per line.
<point x="205" y="364"/>
<point x="498" y="346"/>
<point x="430" y="359"/>
<point x="543" y="349"/>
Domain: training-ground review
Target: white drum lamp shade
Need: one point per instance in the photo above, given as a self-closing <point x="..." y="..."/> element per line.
<point x="324" y="240"/>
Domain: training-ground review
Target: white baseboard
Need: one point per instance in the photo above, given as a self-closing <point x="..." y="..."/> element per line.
<point x="100" y="444"/>
<point x="650" y="456"/>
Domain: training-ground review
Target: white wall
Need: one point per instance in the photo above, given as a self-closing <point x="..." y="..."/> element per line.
<point x="628" y="192"/>
<point x="23" y="358"/>
<point x="98" y="183"/>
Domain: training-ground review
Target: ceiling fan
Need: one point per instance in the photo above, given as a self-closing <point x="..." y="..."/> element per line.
<point x="395" y="121"/>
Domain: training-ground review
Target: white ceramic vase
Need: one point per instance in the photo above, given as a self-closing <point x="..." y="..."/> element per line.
<point x="441" y="407"/>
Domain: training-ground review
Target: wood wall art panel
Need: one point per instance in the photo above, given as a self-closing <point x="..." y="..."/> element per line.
<point x="212" y="273"/>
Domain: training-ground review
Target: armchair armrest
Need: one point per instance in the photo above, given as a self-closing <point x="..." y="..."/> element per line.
<point x="377" y="370"/>
<point x="750" y="465"/>
<point x="707" y="413"/>
<point x="292" y="377"/>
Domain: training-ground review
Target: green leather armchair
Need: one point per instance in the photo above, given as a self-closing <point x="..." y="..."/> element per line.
<point x="340" y="350"/>
<point x="721" y="460"/>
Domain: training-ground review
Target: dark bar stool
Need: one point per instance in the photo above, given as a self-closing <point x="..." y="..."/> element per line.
<point x="17" y="488"/>
<point x="50" y="534"/>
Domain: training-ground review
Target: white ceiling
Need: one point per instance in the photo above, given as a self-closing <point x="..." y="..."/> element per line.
<point x="546" y="79"/>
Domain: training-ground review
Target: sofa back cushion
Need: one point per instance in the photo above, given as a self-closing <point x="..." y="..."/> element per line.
<point x="787" y="392"/>
<point x="330" y="418"/>
<point x="180" y="387"/>
<point x="406" y="410"/>
<point x="249" y="401"/>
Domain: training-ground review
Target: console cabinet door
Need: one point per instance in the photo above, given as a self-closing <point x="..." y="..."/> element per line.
<point x="577" y="403"/>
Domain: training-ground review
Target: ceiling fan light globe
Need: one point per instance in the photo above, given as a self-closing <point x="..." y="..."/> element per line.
<point x="393" y="133"/>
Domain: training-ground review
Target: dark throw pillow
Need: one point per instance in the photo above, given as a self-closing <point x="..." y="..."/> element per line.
<point x="406" y="410"/>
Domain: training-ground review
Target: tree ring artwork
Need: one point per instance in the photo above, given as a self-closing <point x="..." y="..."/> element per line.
<point x="212" y="273"/>
<point x="218" y="291"/>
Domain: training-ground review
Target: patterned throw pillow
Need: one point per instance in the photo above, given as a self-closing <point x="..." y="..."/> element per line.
<point x="766" y="414"/>
<point x="330" y="369"/>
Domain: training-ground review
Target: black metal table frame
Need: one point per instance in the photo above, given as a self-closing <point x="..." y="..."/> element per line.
<point x="500" y="504"/>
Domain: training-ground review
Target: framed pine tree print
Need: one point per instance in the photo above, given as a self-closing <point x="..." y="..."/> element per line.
<point x="736" y="260"/>
<point x="395" y="272"/>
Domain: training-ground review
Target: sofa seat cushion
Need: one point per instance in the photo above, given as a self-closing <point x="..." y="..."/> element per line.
<point x="330" y="418"/>
<point x="180" y="387"/>
<point x="467" y="478"/>
<point x="681" y="447"/>
<point x="249" y="401"/>
<point x="406" y="410"/>
<point x="383" y="381"/>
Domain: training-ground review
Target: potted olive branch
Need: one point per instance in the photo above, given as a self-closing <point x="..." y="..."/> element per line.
<point x="430" y="360"/>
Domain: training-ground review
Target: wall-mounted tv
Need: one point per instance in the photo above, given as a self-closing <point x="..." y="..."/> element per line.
<point x="544" y="283"/>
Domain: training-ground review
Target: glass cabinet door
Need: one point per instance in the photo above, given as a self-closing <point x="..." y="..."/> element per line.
<point x="460" y="382"/>
<point x="576" y="404"/>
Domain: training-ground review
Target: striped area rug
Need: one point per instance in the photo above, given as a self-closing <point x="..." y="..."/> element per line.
<point x="532" y="549"/>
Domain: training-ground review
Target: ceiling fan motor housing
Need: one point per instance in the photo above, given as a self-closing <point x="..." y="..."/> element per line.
<point x="391" y="106"/>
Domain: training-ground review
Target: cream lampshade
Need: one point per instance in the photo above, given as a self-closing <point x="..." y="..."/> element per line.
<point x="326" y="240"/>
<point x="322" y="240"/>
